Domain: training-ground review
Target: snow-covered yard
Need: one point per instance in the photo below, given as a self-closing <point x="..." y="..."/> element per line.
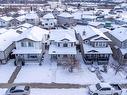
<point x="49" y="72"/>
<point x="111" y="77"/>
<point x="6" y="71"/>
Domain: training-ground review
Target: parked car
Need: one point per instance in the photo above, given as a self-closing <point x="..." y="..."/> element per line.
<point x="105" y="89"/>
<point x="18" y="90"/>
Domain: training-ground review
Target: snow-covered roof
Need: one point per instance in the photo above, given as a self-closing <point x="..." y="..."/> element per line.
<point x="89" y="49"/>
<point x="89" y="31"/>
<point x="22" y="12"/>
<point x="96" y="23"/>
<point x="65" y="14"/>
<point x="62" y="50"/>
<point x="77" y="15"/>
<point x="3" y="30"/>
<point x="104" y="30"/>
<point x="34" y="33"/>
<point x="120" y="33"/>
<point x="21" y="18"/>
<point x="61" y="34"/>
<point x="123" y="51"/>
<point x="5" y="18"/>
<point x="26" y="25"/>
<point x="48" y="16"/>
<point x="31" y="15"/>
<point x="7" y="38"/>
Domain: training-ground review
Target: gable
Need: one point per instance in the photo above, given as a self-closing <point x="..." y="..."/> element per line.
<point x="25" y="40"/>
<point x="101" y="38"/>
<point x="65" y="39"/>
<point x="92" y="51"/>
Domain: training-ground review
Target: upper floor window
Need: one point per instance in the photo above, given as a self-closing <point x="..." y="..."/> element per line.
<point x="71" y="44"/>
<point x="84" y="33"/>
<point x="23" y="44"/>
<point x="65" y="45"/>
<point x="58" y="44"/>
<point x="30" y="44"/>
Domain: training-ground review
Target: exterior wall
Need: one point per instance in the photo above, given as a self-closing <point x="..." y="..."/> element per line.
<point x="115" y="41"/>
<point x="36" y="45"/>
<point x="3" y="23"/>
<point x="62" y="20"/>
<point x="50" y="23"/>
<point x="4" y="55"/>
<point x="124" y="44"/>
<point x="32" y="21"/>
<point x="14" y="22"/>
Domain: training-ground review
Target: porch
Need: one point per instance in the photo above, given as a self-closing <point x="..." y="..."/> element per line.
<point x="98" y="58"/>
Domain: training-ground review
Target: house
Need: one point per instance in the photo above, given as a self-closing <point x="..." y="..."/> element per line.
<point x="7" y="45"/>
<point x="97" y="24"/>
<point x="23" y="27"/>
<point x="30" y="45"/>
<point x="14" y="22"/>
<point x="5" y="21"/>
<point x="48" y="21"/>
<point x="62" y="44"/>
<point x="94" y="45"/>
<point x="32" y="18"/>
<point x="119" y="43"/>
<point x="65" y="19"/>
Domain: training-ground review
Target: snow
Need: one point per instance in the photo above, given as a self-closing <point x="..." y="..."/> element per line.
<point x="119" y="33"/>
<point x="49" y="72"/>
<point x="65" y="14"/>
<point x="89" y="31"/>
<point x="5" y="18"/>
<point x="7" y="38"/>
<point x="61" y="34"/>
<point x="6" y="71"/>
<point x="37" y="91"/>
<point x="34" y="33"/>
<point x="31" y="15"/>
<point x="112" y="78"/>
<point x="102" y="50"/>
<point x="48" y="16"/>
<point x="80" y="91"/>
<point x="62" y="50"/>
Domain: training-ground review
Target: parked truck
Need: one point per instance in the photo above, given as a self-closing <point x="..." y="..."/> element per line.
<point x="105" y="89"/>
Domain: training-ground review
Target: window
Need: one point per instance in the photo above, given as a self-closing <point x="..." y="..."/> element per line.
<point x="84" y="33"/>
<point x="23" y="44"/>
<point x="30" y="44"/>
<point x="46" y="23"/>
<point x="58" y="44"/>
<point x="32" y="56"/>
<point x="51" y="23"/>
<point x="71" y="44"/>
<point x="65" y="45"/>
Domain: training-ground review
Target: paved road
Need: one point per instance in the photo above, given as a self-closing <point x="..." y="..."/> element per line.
<point x="51" y="85"/>
<point x="44" y="85"/>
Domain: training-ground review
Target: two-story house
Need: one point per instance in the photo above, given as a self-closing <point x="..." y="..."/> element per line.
<point x="30" y="45"/>
<point x="62" y="44"/>
<point x="119" y="43"/>
<point x="5" y="21"/>
<point x="65" y="18"/>
<point x="48" y="21"/>
<point x="7" y="44"/>
<point x="94" y="44"/>
<point x="32" y="18"/>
